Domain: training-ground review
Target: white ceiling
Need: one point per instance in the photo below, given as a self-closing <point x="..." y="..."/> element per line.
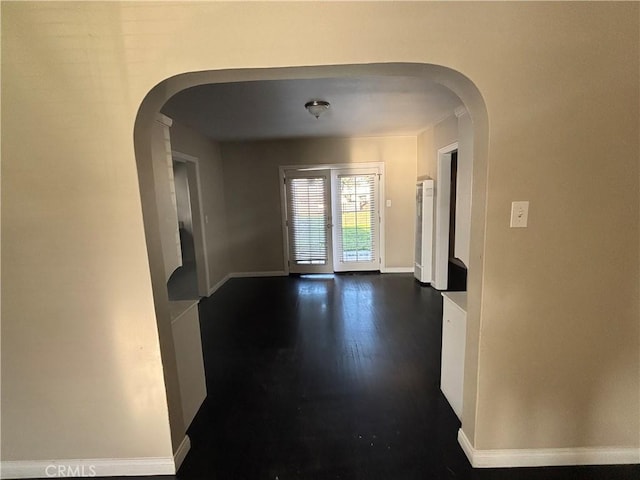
<point x="360" y="106"/>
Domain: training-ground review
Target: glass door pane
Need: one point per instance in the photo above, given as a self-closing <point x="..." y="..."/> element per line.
<point x="356" y="214"/>
<point x="309" y="221"/>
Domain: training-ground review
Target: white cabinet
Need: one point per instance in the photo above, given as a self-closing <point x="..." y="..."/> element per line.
<point x="424" y="231"/>
<point x="185" y="325"/>
<point x="454" y="330"/>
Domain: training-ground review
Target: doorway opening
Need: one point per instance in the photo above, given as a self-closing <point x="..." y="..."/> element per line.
<point x="189" y="281"/>
<point x="456" y="269"/>
<point x="146" y="142"/>
<point x="450" y="270"/>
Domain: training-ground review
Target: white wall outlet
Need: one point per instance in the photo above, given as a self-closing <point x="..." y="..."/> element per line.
<point x="519" y="214"/>
<point x="388" y="203"/>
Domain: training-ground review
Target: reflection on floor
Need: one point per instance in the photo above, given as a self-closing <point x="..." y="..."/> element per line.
<point x="183" y="283"/>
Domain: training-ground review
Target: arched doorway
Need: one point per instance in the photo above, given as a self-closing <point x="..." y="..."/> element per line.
<point x="456" y="82"/>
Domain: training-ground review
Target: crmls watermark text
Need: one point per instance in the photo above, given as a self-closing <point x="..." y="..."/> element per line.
<point x="70" y="471"/>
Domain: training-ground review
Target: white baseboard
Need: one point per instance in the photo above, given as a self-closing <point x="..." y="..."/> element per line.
<point x="96" y="467"/>
<point x="397" y="270"/>
<point x="277" y="273"/>
<point x="219" y="284"/>
<point x="181" y="452"/>
<point x="543" y="457"/>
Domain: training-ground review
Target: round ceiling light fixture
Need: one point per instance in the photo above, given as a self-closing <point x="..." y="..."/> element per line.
<point x="317" y="107"/>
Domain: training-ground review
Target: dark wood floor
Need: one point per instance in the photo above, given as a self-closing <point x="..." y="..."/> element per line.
<point x="334" y="378"/>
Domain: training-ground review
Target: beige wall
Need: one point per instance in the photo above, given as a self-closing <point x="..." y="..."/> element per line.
<point x="186" y="140"/>
<point x="458" y="128"/>
<point x="445" y="133"/>
<point x="437" y="136"/>
<point x="426" y="156"/>
<point x="557" y="364"/>
<point x="81" y="369"/>
<point x="252" y="191"/>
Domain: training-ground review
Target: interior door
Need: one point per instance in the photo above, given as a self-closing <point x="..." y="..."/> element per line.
<point x="356" y="211"/>
<point x="308" y="221"/>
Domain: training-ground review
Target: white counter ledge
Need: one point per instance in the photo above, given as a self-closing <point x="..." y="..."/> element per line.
<point x="187" y="343"/>
<point x="459" y="299"/>
<point x="178" y="307"/>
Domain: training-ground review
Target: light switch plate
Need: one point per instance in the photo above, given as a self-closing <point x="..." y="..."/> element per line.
<point x="388" y="203"/>
<point x="519" y="214"/>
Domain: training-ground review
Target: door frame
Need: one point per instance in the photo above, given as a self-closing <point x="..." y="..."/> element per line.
<point x="330" y="166"/>
<point x="198" y="220"/>
<point x="442" y="213"/>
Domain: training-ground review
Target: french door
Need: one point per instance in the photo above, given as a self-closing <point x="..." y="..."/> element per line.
<point x="356" y="213"/>
<point x="308" y="222"/>
<point x="332" y="219"/>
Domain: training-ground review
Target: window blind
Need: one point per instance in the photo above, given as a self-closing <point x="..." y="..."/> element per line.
<point x="307" y="217"/>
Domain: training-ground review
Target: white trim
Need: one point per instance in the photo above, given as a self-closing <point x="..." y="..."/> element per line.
<point x="460" y="111"/>
<point x="539" y="457"/>
<point x="467" y="448"/>
<point x="181" y="452"/>
<point x="397" y="270"/>
<point x="92" y="467"/>
<point x="382" y="210"/>
<point x="164" y="120"/>
<point x="183" y="157"/>
<point x="277" y="273"/>
<point x="442" y="192"/>
<point x="219" y="284"/>
<point x="283" y="220"/>
<point x="423" y="258"/>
